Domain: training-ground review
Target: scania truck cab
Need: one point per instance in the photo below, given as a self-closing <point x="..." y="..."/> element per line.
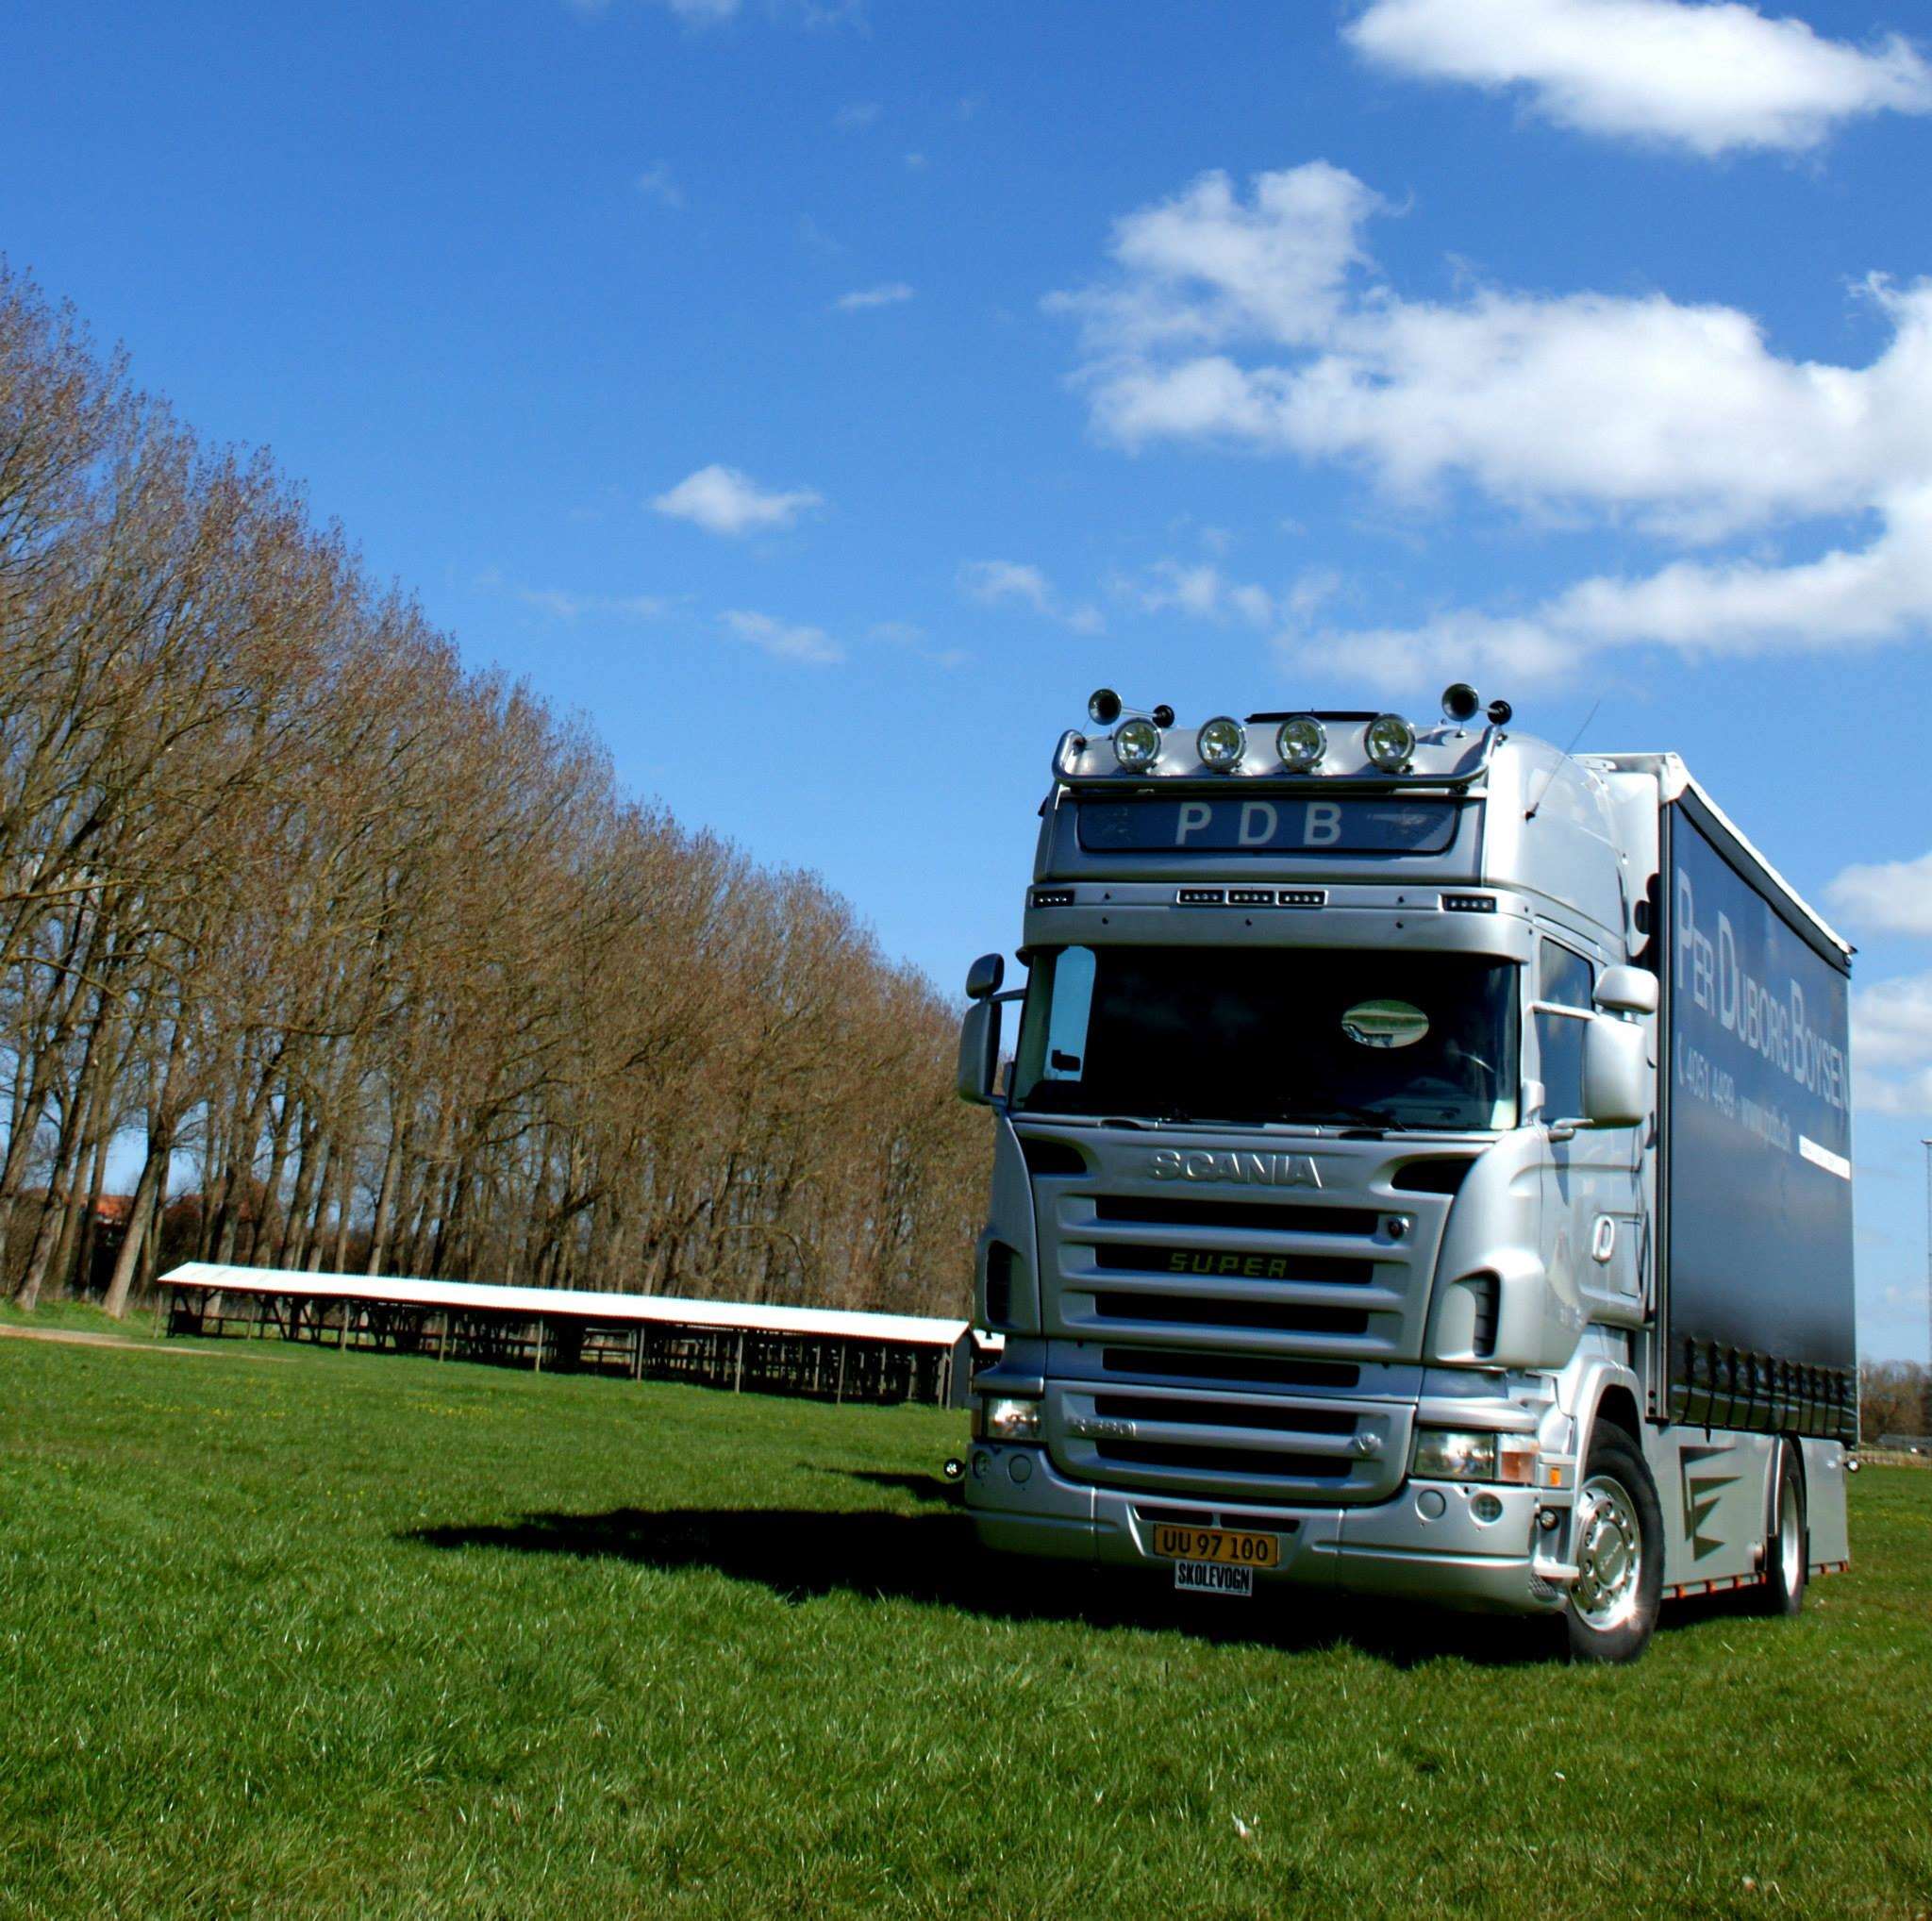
<point x="1424" y="1168"/>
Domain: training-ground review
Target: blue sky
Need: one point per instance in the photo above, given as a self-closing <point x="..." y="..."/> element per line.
<point x="824" y="397"/>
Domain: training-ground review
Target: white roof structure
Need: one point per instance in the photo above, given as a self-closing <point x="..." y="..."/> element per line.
<point x="468" y="1296"/>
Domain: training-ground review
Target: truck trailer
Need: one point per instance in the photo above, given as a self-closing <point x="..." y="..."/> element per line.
<point x="1423" y="1169"/>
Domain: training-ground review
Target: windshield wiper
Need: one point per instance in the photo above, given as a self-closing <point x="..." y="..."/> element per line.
<point x="1343" y="1110"/>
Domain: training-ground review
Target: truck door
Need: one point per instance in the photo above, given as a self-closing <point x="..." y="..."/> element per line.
<point x="1592" y="1194"/>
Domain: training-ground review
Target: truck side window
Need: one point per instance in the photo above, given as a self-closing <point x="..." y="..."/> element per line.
<point x="1565" y="980"/>
<point x="1073" y="1002"/>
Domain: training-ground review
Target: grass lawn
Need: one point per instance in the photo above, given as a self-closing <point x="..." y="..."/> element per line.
<point x="341" y="1634"/>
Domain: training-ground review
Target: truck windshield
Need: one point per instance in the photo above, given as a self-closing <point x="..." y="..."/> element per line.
<point x="1351" y="1038"/>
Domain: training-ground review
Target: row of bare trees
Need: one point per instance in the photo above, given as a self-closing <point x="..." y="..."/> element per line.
<point x="365" y="952"/>
<point x="1894" y="1399"/>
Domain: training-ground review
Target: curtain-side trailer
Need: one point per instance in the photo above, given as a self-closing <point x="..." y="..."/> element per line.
<point x="1425" y="1168"/>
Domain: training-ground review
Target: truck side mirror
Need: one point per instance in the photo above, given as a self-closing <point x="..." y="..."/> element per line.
<point x="1616" y="1073"/>
<point x="984" y="977"/>
<point x="979" y="1051"/>
<point x="1626" y="991"/>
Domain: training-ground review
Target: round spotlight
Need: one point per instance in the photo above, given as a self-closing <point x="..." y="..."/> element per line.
<point x="1104" y="707"/>
<point x="1460" y="702"/>
<point x="1222" y="742"/>
<point x="1301" y="740"/>
<point x="1137" y="745"/>
<point x="1391" y="741"/>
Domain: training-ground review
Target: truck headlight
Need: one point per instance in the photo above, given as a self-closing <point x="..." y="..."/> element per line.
<point x="1473" y="1454"/>
<point x="1006" y="1417"/>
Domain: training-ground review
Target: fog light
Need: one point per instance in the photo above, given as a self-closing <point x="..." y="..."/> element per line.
<point x="1004" y="1417"/>
<point x="1137" y="745"/>
<point x="1486" y="1507"/>
<point x="1222" y="742"/>
<point x="1391" y="741"/>
<point x="1301" y="742"/>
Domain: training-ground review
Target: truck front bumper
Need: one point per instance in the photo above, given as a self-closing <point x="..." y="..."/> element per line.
<point x="1427" y="1542"/>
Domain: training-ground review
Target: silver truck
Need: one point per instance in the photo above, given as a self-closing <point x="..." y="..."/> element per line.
<point x="1423" y="1169"/>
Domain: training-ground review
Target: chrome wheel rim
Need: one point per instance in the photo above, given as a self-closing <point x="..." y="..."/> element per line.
<point x="1609" y="1554"/>
<point x="1791" y="1542"/>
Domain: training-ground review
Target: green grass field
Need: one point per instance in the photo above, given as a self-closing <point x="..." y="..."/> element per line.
<point x="292" y="1632"/>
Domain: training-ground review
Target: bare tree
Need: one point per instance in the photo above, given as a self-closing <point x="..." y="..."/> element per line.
<point x="371" y="951"/>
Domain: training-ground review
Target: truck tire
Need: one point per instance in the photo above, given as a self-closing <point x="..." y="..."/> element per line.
<point x="1618" y="1544"/>
<point x="1788" y="1552"/>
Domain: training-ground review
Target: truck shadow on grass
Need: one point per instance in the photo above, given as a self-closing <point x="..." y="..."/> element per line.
<point x="932" y="1557"/>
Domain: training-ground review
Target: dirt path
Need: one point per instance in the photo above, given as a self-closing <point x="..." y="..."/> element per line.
<point x="81" y="1337"/>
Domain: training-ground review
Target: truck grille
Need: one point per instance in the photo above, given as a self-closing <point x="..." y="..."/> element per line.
<point x="1247" y="1446"/>
<point x="1233" y="1264"/>
<point x="1198" y="1461"/>
<point x="1271" y="1217"/>
<point x="1237" y="1327"/>
<point x="1128" y="1259"/>
<point x="1269" y="1316"/>
<point x="1234" y="1369"/>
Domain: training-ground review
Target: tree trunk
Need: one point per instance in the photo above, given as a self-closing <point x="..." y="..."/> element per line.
<point x="312" y="1228"/>
<point x="60" y="1177"/>
<point x="140" y="1222"/>
<point x="76" y="1258"/>
<point x="384" y="1223"/>
<point x="271" y="1187"/>
<point x="293" y="1242"/>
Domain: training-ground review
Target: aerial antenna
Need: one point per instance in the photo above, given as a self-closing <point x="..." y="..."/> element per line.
<point x="1562" y="757"/>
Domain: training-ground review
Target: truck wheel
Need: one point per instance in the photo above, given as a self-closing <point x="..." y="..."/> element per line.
<point x="1788" y="1550"/>
<point x="1618" y="1537"/>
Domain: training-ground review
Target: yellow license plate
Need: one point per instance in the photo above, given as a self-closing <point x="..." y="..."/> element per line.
<point x="1225" y="1545"/>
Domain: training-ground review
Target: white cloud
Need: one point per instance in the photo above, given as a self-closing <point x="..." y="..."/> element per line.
<point x="1261" y="323"/>
<point x="996" y="580"/>
<point x="1203" y="591"/>
<point x="657" y="183"/>
<point x="1241" y="323"/>
<point x="722" y="500"/>
<point x="1703" y="610"/>
<point x="862" y="298"/>
<point x="810" y="646"/>
<point x="1887" y="896"/>
<point x="1711" y="78"/>
<point x="914" y="639"/>
<point x="694" y="12"/>
<point x="993" y="582"/>
<point x="857" y="115"/>
<point x="562" y="604"/>
<point x="1891" y="1046"/>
